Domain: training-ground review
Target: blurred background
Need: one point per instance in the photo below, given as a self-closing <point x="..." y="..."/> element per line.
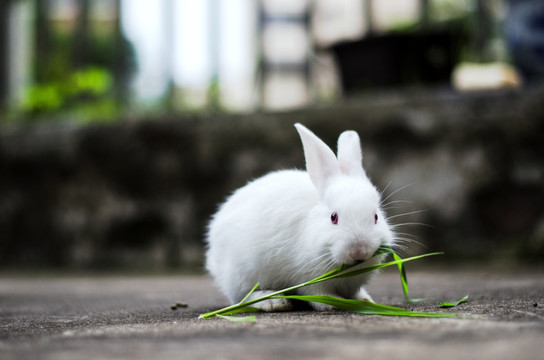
<point x="123" y="123"/>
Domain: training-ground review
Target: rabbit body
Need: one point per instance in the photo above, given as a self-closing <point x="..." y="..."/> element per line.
<point x="291" y="226"/>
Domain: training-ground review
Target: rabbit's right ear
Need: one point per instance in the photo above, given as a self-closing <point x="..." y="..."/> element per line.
<point x="350" y="156"/>
<point x="321" y="163"/>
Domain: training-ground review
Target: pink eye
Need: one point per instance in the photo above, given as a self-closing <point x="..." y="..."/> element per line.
<point x="334" y="218"/>
<point x="375" y="218"/>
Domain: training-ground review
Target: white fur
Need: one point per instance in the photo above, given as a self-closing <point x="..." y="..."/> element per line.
<point x="277" y="230"/>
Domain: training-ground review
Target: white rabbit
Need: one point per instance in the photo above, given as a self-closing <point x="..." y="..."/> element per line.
<point x="291" y="226"/>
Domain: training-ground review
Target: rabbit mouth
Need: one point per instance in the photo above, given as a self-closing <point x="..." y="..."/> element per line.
<point x="348" y="261"/>
<point x="356" y="262"/>
<point x="356" y="257"/>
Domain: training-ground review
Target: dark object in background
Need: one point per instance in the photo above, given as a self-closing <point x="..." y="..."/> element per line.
<point x="524" y="31"/>
<point x="398" y="59"/>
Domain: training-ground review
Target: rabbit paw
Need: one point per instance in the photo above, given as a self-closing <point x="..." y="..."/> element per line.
<point x="364" y="296"/>
<point x="321" y="307"/>
<point x="270" y="305"/>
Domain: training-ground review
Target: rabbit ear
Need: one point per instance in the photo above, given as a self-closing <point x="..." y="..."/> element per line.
<point x="350" y="156"/>
<point x="321" y="163"/>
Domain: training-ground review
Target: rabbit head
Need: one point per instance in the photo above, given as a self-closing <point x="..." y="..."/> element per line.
<point x="350" y="219"/>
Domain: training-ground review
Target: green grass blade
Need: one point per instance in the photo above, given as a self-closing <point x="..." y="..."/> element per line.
<point x="384" y="249"/>
<point x="344" y="304"/>
<point x="242" y="310"/>
<point x="251" y="318"/>
<point x="344" y="273"/>
<point x="235" y="309"/>
<point x="365" y="307"/>
<point x="249" y="293"/>
<point x="453" y="304"/>
<point x="404" y="281"/>
<point x="403" y="277"/>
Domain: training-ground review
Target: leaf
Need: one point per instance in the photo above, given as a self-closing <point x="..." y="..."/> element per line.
<point x="243" y="310"/>
<point x="251" y="318"/>
<point x="404" y="281"/>
<point x="240" y="308"/>
<point x="385" y="249"/>
<point x="363" y="307"/>
<point x="453" y="304"/>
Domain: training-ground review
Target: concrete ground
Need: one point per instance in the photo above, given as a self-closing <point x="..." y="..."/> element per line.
<point x="129" y="317"/>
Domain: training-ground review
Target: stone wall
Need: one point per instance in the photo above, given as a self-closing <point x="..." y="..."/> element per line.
<point x="138" y="194"/>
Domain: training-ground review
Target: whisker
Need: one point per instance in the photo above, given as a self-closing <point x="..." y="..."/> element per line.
<point x="396" y="191"/>
<point x="403" y="241"/>
<point x="404" y="234"/>
<point x="400" y="250"/>
<point x="410" y="224"/>
<point x="404" y="251"/>
<point x="385" y="188"/>
<point x="396" y="202"/>
<point x="390" y="205"/>
<point x="406" y="214"/>
<point x="399" y="246"/>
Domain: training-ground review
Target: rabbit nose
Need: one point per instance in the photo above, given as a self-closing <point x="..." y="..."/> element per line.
<point x="357" y="253"/>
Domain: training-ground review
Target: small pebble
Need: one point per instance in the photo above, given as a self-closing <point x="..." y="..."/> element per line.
<point x="179" y="305"/>
<point x="535" y="305"/>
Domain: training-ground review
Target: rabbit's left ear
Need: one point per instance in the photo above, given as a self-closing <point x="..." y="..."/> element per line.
<point x="321" y="163"/>
<point x="350" y="155"/>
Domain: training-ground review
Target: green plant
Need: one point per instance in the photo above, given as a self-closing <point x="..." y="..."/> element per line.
<point x="358" y="306"/>
<point x="85" y="93"/>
